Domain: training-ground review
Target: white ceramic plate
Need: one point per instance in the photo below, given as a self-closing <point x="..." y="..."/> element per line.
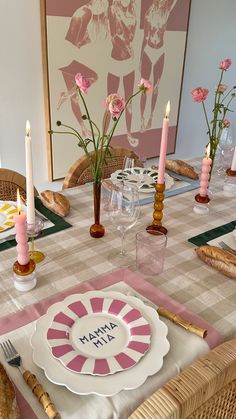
<point x="111" y="384"/>
<point x="98" y="335"/>
<point x="7" y="212"/>
<point x="148" y="182"/>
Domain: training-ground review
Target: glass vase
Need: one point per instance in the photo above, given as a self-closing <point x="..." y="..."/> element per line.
<point x="97" y="230"/>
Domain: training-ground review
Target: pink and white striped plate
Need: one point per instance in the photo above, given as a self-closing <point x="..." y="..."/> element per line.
<point x="99" y="335"/>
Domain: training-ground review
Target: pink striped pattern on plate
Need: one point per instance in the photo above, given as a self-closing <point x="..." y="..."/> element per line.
<point x="99" y="335"/>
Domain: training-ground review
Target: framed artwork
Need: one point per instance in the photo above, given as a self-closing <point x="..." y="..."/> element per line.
<point x="113" y="43"/>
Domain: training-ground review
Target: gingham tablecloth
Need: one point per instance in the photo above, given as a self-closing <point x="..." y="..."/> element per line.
<point x="72" y="256"/>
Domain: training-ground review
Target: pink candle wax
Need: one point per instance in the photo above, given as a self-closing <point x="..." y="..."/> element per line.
<point x="21" y="236"/>
<point x="164" y="141"/>
<point x="204" y="178"/>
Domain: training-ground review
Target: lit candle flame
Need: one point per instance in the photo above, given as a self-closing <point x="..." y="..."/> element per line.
<point x="167" y="109"/>
<point x="27" y="128"/>
<point x="18" y="201"/>
<point x="208" y="150"/>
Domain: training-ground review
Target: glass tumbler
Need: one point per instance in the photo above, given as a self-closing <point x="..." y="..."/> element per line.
<point x="150" y="252"/>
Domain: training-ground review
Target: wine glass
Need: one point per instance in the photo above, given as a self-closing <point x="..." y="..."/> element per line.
<point x="130" y="168"/>
<point x="225" y="146"/>
<point x="123" y="210"/>
<point x="33" y="230"/>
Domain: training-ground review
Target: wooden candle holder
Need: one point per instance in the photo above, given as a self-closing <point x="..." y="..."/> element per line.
<point x="158" y="210"/>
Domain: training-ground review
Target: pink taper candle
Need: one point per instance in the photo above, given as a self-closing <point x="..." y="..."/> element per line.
<point x="21" y="234"/>
<point x="164" y="141"/>
<point x="204" y="178"/>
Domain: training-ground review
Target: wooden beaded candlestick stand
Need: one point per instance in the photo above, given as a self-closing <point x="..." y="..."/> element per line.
<point x="230" y="183"/>
<point x="158" y="210"/>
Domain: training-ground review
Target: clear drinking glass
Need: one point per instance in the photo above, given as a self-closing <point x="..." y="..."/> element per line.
<point x="123" y="209"/>
<point x="150" y="252"/>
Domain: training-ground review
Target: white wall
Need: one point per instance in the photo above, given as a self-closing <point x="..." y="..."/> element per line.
<point x="211" y="37"/>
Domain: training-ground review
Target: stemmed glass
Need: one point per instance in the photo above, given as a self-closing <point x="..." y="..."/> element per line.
<point x="225" y="146"/>
<point x="123" y="209"/>
<point x="33" y="230"/>
<point x="129" y="166"/>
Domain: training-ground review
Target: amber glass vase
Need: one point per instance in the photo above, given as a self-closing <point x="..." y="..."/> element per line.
<point x="97" y="230"/>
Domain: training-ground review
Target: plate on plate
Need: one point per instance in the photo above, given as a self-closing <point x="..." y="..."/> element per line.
<point x="7" y="212"/>
<point x="111" y="384"/>
<point x="99" y="335"/>
<point x="148" y="182"/>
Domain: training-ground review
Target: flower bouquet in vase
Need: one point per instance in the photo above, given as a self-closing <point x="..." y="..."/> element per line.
<point x="98" y="140"/>
<point x="222" y="100"/>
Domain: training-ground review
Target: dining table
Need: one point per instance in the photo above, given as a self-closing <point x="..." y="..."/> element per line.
<point x="77" y="263"/>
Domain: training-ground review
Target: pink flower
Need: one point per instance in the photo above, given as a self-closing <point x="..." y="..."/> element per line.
<point x="199" y="94"/>
<point x="224" y="65"/>
<point x="82" y="82"/>
<point x="115" y="104"/>
<point x="221" y="88"/>
<point x="226" y="123"/>
<point x="145" y="85"/>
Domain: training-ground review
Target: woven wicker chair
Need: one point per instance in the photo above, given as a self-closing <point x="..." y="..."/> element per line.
<point x="9" y="182"/>
<point x="204" y="390"/>
<point x="80" y="172"/>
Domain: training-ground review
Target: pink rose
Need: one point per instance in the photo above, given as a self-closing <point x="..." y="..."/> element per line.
<point x="221" y="88"/>
<point x="199" y="94"/>
<point x="226" y="123"/>
<point x="145" y="85"/>
<point x="82" y="82"/>
<point x="115" y="104"/>
<point x="224" y="65"/>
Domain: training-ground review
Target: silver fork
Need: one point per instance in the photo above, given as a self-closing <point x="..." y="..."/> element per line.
<point x="225" y="246"/>
<point x="13" y="358"/>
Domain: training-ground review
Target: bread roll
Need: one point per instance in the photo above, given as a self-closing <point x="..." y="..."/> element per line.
<point x="56" y="202"/>
<point x="221" y="259"/>
<point x="182" y="168"/>
<point x="8" y="404"/>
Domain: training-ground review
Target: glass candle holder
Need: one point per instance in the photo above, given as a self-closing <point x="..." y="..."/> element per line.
<point x="24" y="276"/>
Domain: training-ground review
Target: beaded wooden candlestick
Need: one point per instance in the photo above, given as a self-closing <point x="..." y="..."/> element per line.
<point x="158" y="210"/>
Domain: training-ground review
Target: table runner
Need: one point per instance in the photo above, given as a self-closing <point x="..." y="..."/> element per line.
<point x="21" y="325"/>
<point x="58" y="224"/>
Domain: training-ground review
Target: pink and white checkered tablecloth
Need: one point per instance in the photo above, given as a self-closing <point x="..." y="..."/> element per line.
<point x="73" y="257"/>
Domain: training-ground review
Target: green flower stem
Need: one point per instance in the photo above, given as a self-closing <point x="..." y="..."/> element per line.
<point x="227" y="94"/>
<point x="89" y="119"/>
<point x="208" y="125"/>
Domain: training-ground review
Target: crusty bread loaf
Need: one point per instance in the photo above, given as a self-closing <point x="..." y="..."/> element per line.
<point x="56" y="202"/>
<point x="182" y="168"/>
<point x="8" y="404"/>
<point x="221" y="259"/>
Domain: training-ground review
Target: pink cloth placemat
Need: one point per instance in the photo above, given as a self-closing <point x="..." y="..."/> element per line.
<point x="33" y="312"/>
<point x="139" y="284"/>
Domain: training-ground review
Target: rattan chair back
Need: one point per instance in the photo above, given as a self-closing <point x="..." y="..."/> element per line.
<point x="80" y="172"/>
<point x="9" y="182"/>
<point x="204" y="390"/>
